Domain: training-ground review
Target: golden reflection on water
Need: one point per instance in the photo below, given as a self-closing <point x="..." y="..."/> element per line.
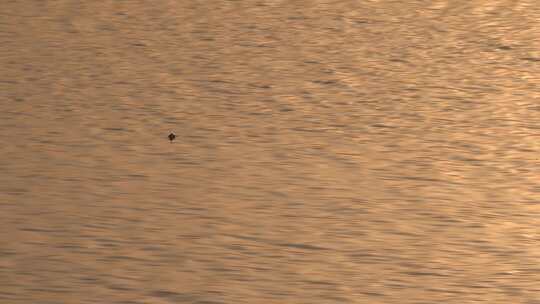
<point x="347" y="152"/>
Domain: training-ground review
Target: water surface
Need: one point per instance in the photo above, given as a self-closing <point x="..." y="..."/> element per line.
<point x="327" y="152"/>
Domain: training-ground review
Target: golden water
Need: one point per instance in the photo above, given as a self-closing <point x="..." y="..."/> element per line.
<point x="327" y="152"/>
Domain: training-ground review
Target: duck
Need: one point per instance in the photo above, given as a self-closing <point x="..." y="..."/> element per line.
<point x="171" y="136"/>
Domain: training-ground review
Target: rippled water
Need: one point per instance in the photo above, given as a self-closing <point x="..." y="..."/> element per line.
<point x="327" y="152"/>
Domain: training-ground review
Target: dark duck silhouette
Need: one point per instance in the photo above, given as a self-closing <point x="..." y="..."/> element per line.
<point x="172" y="137"/>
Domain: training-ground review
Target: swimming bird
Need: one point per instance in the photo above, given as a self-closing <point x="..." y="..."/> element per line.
<point x="172" y="137"/>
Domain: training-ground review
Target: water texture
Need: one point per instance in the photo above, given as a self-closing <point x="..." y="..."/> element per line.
<point x="327" y="152"/>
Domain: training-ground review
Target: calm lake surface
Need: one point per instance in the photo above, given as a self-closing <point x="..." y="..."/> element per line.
<point x="327" y="152"/>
